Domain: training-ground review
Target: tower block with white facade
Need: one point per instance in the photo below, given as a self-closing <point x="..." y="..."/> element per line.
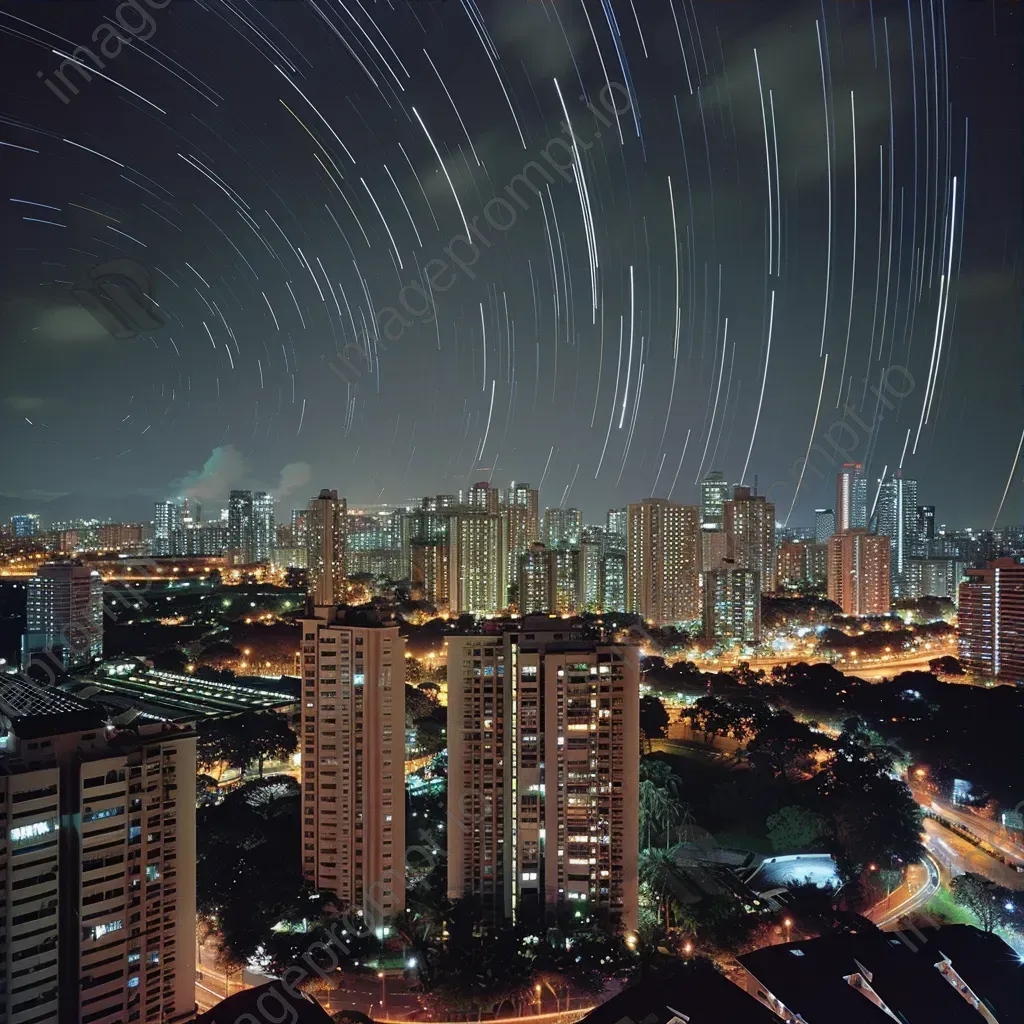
<point x="353" y="760"/>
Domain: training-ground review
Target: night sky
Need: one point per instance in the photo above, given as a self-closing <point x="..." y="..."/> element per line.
<point x="691" y="289"/>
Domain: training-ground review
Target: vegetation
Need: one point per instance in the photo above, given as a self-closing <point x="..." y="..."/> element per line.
<point x="238" y="741"/>
<point x="653" y="719"/>
<point x="993" y="905"/>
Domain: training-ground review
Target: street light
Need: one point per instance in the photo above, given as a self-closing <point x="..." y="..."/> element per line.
<point x="383" y="992"/>
<point x="536" y="988"/>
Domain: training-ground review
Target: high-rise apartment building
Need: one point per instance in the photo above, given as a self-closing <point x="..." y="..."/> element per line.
<point x="63" y="617"/>
<point x="325" y="526"/>
<point x="251" y="531"/>
<point x="430" y="571"/>
<point x="563" y="527"/>
<point x="483" y="496"/>
<point x="166" y="519"/>
<point x="858" y="572"/>
<point x="934" y="577"/>
<point x="663" y="561"/>
<point x="299" y="519"/>
<point x="97" y="864"/>
<point x="991" y="621"/>
<point x="613" y="581"/>
<point x="750" y="534"/>
<point x="732" y="605"/>
<point x="714" y="493"/>
<point x="534" y="580"/>
<point x="25" y="525"/>
<point x="550" y="581"/>
<point x="803" y="563"/>
<point x="851" y="498"/>
<point x="615" y="528"/>
<point x="353" y="760"/>
<point x="476" y="562"/>
<point x="824" y="524"/>
<point x="543" y="773"/>
<point x="714" y="549"/>
<point x="263" y="527"/>
<point x="897" y="519"/>
<point x="592" y="549"/>
<point x="521" y="514"/>
<point x="925" y="527"/>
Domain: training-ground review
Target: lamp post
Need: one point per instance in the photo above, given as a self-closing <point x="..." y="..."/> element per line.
<point x="383" y="992"/>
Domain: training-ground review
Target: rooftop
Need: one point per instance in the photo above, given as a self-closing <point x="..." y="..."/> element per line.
<point x="694" y="991"/>
<point x="298" y="1009"/>
<point x="130" y="689"/>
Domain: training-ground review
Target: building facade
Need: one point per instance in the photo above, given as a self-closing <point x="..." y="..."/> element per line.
<point x="732" y="605"/>
<point x="326" y="530"/>
<point x="663" y="561"/>
<point x="991" y="621"/>
<point x="824" y="524"/>
<point x="98" y="863"/>
<point x="476" y="562"/>
<point x="63" y="617"/>
<point x="353" y="761"/>
<point x="714" y="493"/>
<point x="896" y="518"/>
<point x="750" y="535"/>
<point x="544" y="771"/>
<point x="851" y="498"/>
<point x="858" y="572"/>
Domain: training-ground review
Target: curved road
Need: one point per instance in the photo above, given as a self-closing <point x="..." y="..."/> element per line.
<point x="920" y="885"/>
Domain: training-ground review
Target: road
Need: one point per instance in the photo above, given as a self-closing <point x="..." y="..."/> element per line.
<point x="990" y="831"/>
<point x="921" y="882"/>
<point x="958" y="856"/>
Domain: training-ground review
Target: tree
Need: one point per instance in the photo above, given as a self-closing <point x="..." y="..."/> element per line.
<point x="784" y="746"/>
<point x="986" y="900"/>
<point x="947" y="665"/>
<point x="796" y="829"/>
<point x="653" y="719"/>
<point x="244" y="739"/>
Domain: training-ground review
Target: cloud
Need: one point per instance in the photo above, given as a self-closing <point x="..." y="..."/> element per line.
<point x="529" y="30"/>
<point x="24" y="403"/>
<point x="293" y="476"/>
<point x="69" y="324"/>
<point x="222" y="472"/>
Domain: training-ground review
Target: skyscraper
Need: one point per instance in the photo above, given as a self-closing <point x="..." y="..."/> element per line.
<point x="476" y="562"/>
<point x="897" y="520"/>
<point x="26" y="525"/>
<point x="613" y="581"/>
<point x="543" y="775"/>
<point x="251" y="531"/>
<point x="824" y="524"/>
<point x="851" y="498"/>
<point x="663" y="561"/>
<point x="803" y="563"/>
<point x="263" y="527"/>
<point x="714" y="493"/>
<point x="924" y="533"/>
<point x="240" y="526"/>
<point x="63" y="617"/>
<point x="98" y="863"/>
<point x="563" y="527"/>
<point x="429" y="569"/>
<point x="299" y="519"/>
<point x="858" y="572"/>
<point x="991" y="621"/>
<point x="166" y="520"/>
<point x="732" y="605"/>
<point x="483" y="496"/>
<point x="521" y="515"/>
<point x="750" y="534"/>
<point x="592" y="549"/>
<point x="325" y="526"/>
<point x="353" y="761"/>
<point x="534" y="580"/>
<point x="615" y="526"/>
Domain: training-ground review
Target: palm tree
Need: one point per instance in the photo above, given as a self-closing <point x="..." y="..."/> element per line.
<point x="659" y="870"/>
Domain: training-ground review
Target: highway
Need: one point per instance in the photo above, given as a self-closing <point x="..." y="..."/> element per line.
<point x="958" y="856"/>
